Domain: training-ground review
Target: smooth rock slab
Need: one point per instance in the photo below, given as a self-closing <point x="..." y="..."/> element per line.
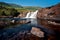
<point x="37" y="32"/>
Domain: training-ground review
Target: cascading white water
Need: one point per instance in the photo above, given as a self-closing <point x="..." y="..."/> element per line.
<point x="31" y="14"/>
<point x="28" y="14"/>
<point x="34" y="14"/>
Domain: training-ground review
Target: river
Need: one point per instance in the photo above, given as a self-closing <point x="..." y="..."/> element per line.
<point x="11" y="32"/>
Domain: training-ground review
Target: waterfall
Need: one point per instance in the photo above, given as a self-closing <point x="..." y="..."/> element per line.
<point x="31" y="14"/>
<point x="32" y="17"/>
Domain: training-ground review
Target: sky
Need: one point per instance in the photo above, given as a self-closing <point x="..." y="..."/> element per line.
<point x="40" y="3"/>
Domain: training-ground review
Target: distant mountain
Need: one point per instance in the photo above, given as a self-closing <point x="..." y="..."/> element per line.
<point x="10" y="5"/>
<point x="16" y="6"/>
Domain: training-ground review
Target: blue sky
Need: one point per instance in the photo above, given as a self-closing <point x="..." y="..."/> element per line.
<point x="41" y="3"/>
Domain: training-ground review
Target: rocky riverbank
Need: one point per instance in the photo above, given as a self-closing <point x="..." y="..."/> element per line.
<point x="51" y="13"/>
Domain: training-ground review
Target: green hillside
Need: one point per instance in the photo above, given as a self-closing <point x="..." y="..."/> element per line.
<point x="10" y="5"/>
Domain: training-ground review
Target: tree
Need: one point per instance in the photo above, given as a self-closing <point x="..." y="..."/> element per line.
<point x="14" y="13"/>
<point x="3" y="13"/>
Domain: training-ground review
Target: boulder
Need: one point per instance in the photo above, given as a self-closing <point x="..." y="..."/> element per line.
<point x="37" y="32"/>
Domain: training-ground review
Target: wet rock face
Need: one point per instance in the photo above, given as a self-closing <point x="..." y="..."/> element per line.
<point x="42" y="12"/>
